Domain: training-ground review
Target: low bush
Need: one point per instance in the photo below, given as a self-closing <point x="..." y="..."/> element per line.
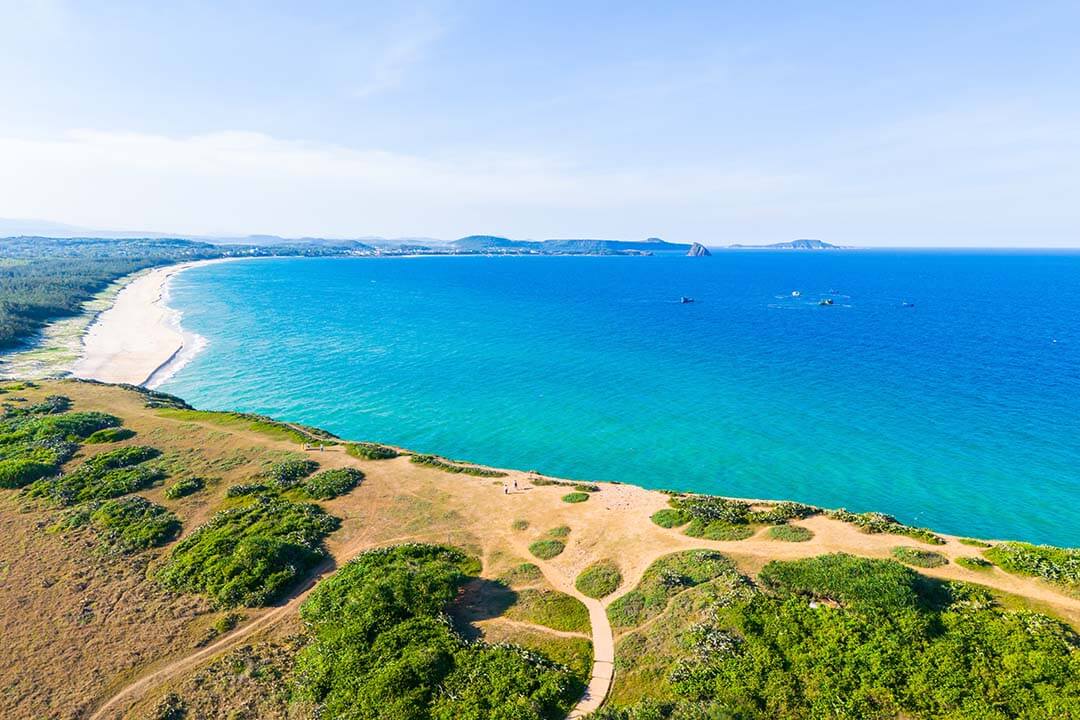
<point x="434" y="461"/>
<point x="522" y="574"/>
<point x="919" y="558"/>
<point x="110" y="435"/>
<point x="288" y="473"/>
<point x="551" y="609"/>
<point x="875" y="523"/>
<point x="244" y="489"/>
<point x="328" y="484"/>
<point x="382" y="647"/>
<point x="34" y="446"/>
<point x="249" y="555"/>
<point x="575" y="497"/>
<point x="790" y="533"/>
<point x="547" y="549"/>
<point x="599" y="579"/>
<point x="670" y="518"/>
<point x="370" y="451"/>
<point x="973" y="542"/>
<point x="718" y="530"/>
<point x="1060" y="566"/>
<point x="520" y="524"/>
<point x="586" y="487"/>
<point x="878" y="585"/>
<point x="973" y="563"/>
<point x="103" y="476"/>
<point x="560" y="531"/>
<point x="665" y="578"/>
<point x="131" y="524"/>
<point x="182" y="488"/>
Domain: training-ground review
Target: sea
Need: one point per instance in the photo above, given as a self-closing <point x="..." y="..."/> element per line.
<point x="940" y="387"/>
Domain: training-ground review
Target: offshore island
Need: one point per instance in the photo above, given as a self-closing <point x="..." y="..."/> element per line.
<point x="179" y="563"/>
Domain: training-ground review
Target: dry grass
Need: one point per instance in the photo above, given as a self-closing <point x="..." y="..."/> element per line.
<point x="78" y="628"/>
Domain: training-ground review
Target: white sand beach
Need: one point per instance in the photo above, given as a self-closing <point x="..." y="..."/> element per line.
<point x="139" y="339"/>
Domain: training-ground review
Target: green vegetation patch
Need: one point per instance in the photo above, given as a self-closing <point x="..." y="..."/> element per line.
<point x="1060" y="566"/>
<point x="328" y="484"/>
<point x="35" y="444"/>
<point x="520" y="524"/>
<point x="876" y="523"/>
<point x="599" y="579"/>
<point x="244" y="489"/>
<point x="790" y="533"/>
<point x="665" y="578"/>
<point x="894" y="645"/>
<point x="550" y="608"/>
<point x="973" y="563"/>
<point x="547" y="549"/>
<point x="110" y="435"/>
<point x="288" y="473"/>
<point x="249" y="555"/>
<point x="718" y="530"/>
<point x="523" y="574"/>
<point x="131" y="524"/>
<point x="560" y="531"/>
<point x="370" y="451"/>
<point x="185" y="487"/>
<point x="434" y="461"/>
<point x="245" y="421"/>
<point x="973" y="542"/>
<point x="382" y="647"/>
<point x="670" y="518"/>
<point x="575" y="497"/>
<point x="103" y="476"/>
<point x="919" y="558"/>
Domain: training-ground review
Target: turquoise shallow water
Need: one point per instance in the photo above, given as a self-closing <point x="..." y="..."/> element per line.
<point x="961" y="413"/>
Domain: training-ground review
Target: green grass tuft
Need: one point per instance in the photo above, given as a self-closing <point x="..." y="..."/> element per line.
<point x="599" y="579"/>
<point x="919" y="558"/>
<point x="547" y="549"/>
<point x="790" y="533"/>
<point x="575" y="497"/>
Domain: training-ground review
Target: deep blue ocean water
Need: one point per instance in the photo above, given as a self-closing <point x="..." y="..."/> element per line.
<point x="961" y="413"/>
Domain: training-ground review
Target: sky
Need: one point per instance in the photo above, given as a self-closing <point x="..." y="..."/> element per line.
<point x="871" y="124"/>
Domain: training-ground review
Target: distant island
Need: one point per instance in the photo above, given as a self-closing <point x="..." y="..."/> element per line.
<point x="792" y="245"/>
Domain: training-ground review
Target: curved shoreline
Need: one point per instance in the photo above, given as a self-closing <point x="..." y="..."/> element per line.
<point x="138" y="340"/>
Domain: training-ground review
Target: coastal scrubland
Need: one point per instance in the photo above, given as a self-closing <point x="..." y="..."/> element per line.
<point x="211" y="565"/>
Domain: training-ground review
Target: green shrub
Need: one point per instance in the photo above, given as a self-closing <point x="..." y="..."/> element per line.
<point x="520" y="524"/>
<point x="434" y="461"/>
<point x="776" y="656"/>
<point x="875" y="523"/>
<point x="131" y="524"/>
<point x="370" y="451"/>
<point x="19" y="472"/>
<point x="106" y="475"/>
<point x="575" y="497"/>
<point x="599" y="579"/>
<point x="586" y="487"/>
<point x="1060" y="566"/>
<point x="558" y="532"/>
<point x="547" y="549"/>
<point x="718" y="530"/>
<point x="790" y="533"/>
<point x="328" y="484"/>
<point x="522" y="574"/>
<point x="110" y="435"/>
<point x="288" y="473"/>
<point x="782" y="512"/>
<point x="919" y="558"/>
<point x="184" y="487"/>
<point x="973" y="542"/>
<point x="879" y="585"/>
<point x="250" y="554"/>
<point x="670" y="518"/>
<point x="244" y="489"/>
<point x="973" y="563"/>
<point x="551" y="609"/>
<point x="382" y="648"/>
<point x="665" y="578"/>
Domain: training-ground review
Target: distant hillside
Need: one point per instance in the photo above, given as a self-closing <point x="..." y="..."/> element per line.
<point x="495" y="243"/>
<point x="794" y="245"/>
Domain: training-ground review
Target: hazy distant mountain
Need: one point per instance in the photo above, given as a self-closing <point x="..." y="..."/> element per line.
<point x="496" y="243"/>
<point x="795" y="245"/>
<point x="16" y="227"/>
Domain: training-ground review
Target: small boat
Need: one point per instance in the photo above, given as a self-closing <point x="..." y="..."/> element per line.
<point x="907" y="304"/>
<point x="686" y="300"/>
<point x="796" y="293"/>
<point x="825" y="301"/>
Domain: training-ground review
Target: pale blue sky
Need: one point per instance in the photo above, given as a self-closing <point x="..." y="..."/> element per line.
<point x="872" y="123"/>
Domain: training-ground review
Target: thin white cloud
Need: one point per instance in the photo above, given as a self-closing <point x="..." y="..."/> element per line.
<point x="405" y="46"/>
